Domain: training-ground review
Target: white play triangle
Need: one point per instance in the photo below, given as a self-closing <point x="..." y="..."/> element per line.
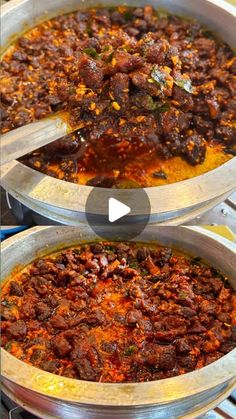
<point x="117" y="210"/>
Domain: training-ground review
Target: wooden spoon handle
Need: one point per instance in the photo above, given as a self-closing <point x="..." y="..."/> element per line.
<point x="23" y="140"/>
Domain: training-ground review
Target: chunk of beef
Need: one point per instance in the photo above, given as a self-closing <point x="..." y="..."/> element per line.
<point x="205" y="46"/>
<point x="61" y="346"/>
<point x="66" y="145"/>
<point x="174" y="120"/>
<point x="91" y="72"/>
<point x="182" y="99"/>
<point x="143" y="253"/>
<point x="126" y="62"/>
<point x="188" y="362"/>
<point x="86" y="371"/>
<point x="58" y="322"/>
<point x="142" y="80"/>
<point x="132" y="317"/>
<point x="43" y="311"/>
<point x="182" y="345"/>
<point x="156" y="52"/>
<point x="167" y="357"/>
<point x="50" y="366"/>
<point x="17" y="330"/>
<point x="195" y="149"/>
<point x="120" y="87"/>
<point x="16" y="289"/>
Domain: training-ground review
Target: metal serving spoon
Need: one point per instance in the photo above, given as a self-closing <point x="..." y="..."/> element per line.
<point x="23" y="140"/>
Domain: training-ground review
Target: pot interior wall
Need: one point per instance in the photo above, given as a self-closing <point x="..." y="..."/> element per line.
<point x="30" y="12"/>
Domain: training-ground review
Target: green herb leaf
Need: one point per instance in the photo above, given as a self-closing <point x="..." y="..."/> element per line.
<point x="91" y="51"/>
<point x="162" y="14"/>
<point x="159" y="77"/>
<point x="130" y="350"/>
<point x="185" y="84"/>
<point x="144" y="272"/>
<point x="109" y="247"/>
<point x="109" y="58"/>
<point x="164" y="107"/>
<point x="106" y="48"/>
<point x="8" y="346"/>
<point x="148" y="103"/>
<point x="128" y="15"/>
<point x="209" y="34"/>
<point x="134" y="264"/>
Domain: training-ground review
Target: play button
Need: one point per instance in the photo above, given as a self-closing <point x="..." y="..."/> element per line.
<point x="117" y="210"/>
<point x="117" y="213"/>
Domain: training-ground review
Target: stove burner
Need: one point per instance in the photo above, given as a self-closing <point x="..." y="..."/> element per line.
<point x="10" y="410"/>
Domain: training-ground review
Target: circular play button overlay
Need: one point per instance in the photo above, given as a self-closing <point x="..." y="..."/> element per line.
<point x="118" y="214"/>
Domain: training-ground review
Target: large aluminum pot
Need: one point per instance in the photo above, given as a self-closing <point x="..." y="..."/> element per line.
<point x="50" y="396"/>
<point x="65" y="202"/>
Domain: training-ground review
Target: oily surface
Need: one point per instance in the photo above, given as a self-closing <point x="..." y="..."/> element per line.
<point x="118" y="312"/>
<point x="153" y="93"/>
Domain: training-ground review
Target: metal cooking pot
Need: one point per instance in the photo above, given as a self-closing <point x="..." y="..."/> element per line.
<point x="65" y="202"/>
<point x="50" y="396"/>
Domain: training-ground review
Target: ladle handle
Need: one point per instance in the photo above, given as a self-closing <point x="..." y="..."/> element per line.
<point x="23" y="140"/>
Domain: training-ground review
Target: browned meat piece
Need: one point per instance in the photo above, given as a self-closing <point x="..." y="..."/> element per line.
<point x="90" y="72"/>
<point x="58" y="322"/>
<point x="143" y="81"/>
<point x="226" y="134"/>
<point x="96" y="318"/>
<point x="50" y="366"/>
<point x="143" y="253"/>
<point x="86" y="371"/>
<point x="61" y="346"/>
<point x="101" y="181"/>
<point x="28" y="308"/>
<point x="174" y="120"/>
<point x="126" y="62"/>
<point x="182" y="99"/>
<point x="214" y="107"/>
<point x="40" y="284"/>
<point x="188" y="362"/>
<point x="16" y="289"/>
<point x="17" y="330"/>
<point x="195" y="149"/>
<point x="91" y="43"/>
<point x="150" y="265"/>
<point x="42" y="311"/>
<point x="120" y="87"/>
<point x="132" y="317"/>
<point x="208" y="307"/>
<point x="109" y="347"/>
<point x="182" y="346"/>
<point x="167" y="357"/>
<point x="206" y="47"/>
<point x="66" y="145"/>
<point x="156" y="52"/>
<point x="7" y="314"/>
<point x="92" y="266"/>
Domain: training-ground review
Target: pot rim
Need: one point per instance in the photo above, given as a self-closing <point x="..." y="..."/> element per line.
<point x="164" y="199"/>
<point x="118" y="394"/>
<point x="57" y="193"/>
